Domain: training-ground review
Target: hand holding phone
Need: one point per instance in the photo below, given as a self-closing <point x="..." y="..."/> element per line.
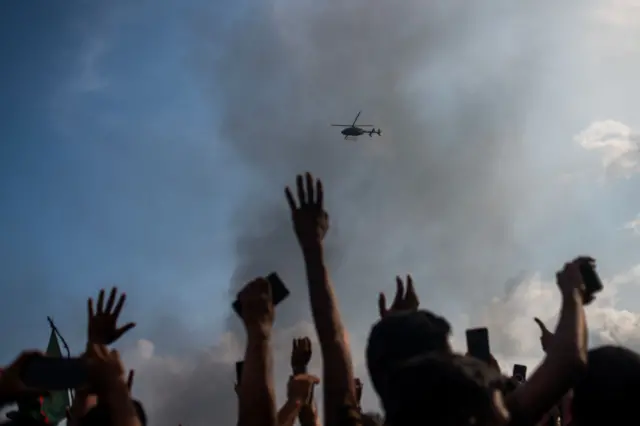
<point x="279" y="292"/>
<point x="52" y="374"/>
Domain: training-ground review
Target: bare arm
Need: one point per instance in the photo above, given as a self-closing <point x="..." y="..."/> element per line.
<point x="565" y="358"/>
<point x="338" y="378"/>
<point x="256" y="395"/>
<point x="311" y="224"/>
<point x="123" y="412"/>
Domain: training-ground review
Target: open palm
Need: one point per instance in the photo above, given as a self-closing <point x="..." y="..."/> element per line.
<point x="103" y="322"/>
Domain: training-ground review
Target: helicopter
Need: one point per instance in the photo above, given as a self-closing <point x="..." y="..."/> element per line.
<point x="353" y="131"/>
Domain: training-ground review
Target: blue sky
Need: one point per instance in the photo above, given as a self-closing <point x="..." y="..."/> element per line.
<point x="145" y="144"/>
<point x="110" y="167"/>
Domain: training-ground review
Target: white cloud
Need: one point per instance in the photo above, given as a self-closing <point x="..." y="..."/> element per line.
<point x="616" y="142"/>
<point x="515" y="336"/>
<point x="198" y="388"/>
<point x="89" y="77"/>
<point x="633" y="225"/>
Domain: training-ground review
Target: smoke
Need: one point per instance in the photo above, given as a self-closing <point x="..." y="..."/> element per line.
<point x="449" y="83"/>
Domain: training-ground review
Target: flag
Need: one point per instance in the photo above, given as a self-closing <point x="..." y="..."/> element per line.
<point x="55" y="405"/>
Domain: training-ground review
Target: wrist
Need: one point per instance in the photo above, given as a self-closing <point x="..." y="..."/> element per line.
<point x="258" y="334"/>
<point x="299" y="370"/>
<point x="312" y="249"/>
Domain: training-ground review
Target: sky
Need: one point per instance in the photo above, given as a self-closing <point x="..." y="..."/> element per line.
<point x="146" y="145"/>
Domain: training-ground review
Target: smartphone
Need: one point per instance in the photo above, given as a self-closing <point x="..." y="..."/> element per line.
<point x="478" y="344"/>
<point x="279" y="292"/>
<point x="239" y="366"/>
<point x="520" y="372"/>
<point x="591" y="280"/>
<point x="53" y="374"/>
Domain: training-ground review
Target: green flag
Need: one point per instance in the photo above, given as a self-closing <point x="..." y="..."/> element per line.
<point x="54" y="406"/>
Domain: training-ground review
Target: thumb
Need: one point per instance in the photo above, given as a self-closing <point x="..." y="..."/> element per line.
<point x="543" y="328"/>
<point x="314" y="379"/>
<point x="382" y="305"/>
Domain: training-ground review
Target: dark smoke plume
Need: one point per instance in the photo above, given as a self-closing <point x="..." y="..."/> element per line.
<point x="449" y="82"/>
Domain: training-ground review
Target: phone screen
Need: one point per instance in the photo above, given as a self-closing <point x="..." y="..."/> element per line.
<point x="50" y="373"/>
<point x="279" y="292"/>
<point x="478" y="344"/>
<point x="520" y="372"/>
<point x="239" y="366"/>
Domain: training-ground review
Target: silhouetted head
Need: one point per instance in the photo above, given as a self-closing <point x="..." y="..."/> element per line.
<point x="610" y="390"/>
<point x="444" y="390"/>
<point x="99" y="415"/>
<point x="400" y="336"/>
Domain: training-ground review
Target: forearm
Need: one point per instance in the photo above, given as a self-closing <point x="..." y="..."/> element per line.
<point x="338" y="381"/>
<point x="83" y="401"/>
<point x="569" y="346"/>
<point x="309" y="416"/>
<point x="555" y="376"/>
<point x="288" y="413"/>
<point x="256" y="395"/>
<point x="122" y="409"/>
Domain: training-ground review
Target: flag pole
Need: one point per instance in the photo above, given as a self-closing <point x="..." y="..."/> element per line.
<point x="64" y="343"/>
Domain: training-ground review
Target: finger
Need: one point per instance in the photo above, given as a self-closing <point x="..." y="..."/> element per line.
<point x="101" y="302"/>
<point x="122" y="330"/>
<point x="111" y="300"/>
<point x="119" y="305"/>
<point x="130" y="379"/>
<point x="399" y="292"/>
<point x="411" y="295"/>
<point x="319" y="194"/>
<point x="307" y="344"/>
<point x="301" y="195"/>
<point x="382" y="305"/>
<point x="294" y="345"/>
<point x="90" y="308"/>
<point x="290" y="200"/>
<point x="310" y="189"/>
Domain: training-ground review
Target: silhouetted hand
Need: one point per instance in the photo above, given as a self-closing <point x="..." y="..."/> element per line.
<point x="545" y="337"/>
<point x="11" y="386"/>
<point x="300" y="355"/>
<point x="569" y="279"/>
<point x="257" y="306"/>
<point x="106" y="371"/>
<point x="404" y="300"/>
<point x="310" y="220"/>
<point x="358" y="390"/>
<point x="103" y="324"/>
<point x="300" y="387"/>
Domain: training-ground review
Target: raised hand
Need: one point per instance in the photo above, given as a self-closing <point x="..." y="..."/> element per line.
<point x="257" y="306"/>
<point x="103" y="323"/>
<point x="546" y="336"/>
<point x="11" y="386"/>
<point x="300" y="355"/>
<point x="300" y="387"/>
<point x="405" y="299"/>
<point x="310" y="220"/>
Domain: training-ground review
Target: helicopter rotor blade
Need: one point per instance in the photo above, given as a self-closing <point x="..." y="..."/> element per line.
<point x="354" y="121"/>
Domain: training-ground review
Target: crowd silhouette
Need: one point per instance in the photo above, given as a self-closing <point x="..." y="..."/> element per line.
<point x="418" y="377"/>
